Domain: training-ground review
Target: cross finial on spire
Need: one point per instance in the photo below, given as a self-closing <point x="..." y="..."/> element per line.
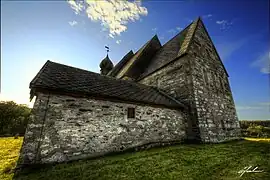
<point x="107" y="49"/>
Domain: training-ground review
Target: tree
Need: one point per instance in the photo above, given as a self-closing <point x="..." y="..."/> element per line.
<point x="13" y="118"/>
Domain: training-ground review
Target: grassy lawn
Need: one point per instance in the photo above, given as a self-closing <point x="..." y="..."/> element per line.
<point x="9" y="151"/>
<point x="205" y="161"/>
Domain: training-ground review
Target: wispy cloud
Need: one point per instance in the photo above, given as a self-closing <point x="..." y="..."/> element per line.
<point x="265" y="103"/>
<point x="171" y="31"/>
<point x="248" y="107"/>
<point x="263" y="62"/>
<point x="228" y="48"/>
<point x="118" y="41"/>
<point x="72" y="23"/>
<point x="154" y="29"/>
<point x="207" y="16"/>
<point x="257" y="106"/>
<point x="77" y="6"/>
<point x="224" y="24"/>
<point x="114" y="15"/>
<point x="179" y="28"/>
<point x="175" y="30"/>
<point x="188" y="20"/>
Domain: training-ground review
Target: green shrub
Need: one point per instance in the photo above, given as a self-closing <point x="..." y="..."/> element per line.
<point x="13" y="118"/>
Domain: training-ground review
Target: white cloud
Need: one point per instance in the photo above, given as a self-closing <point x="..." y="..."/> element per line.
<point x="248" y="107"/>
<point x="265" y="103"/>
<point x="224" y="24"/>
<point x="256" y="106"/>
<point x="111" y="36"/>
<point x="179" y="28"/>
<point x="172" y="31"/>
<point x="221" y="22"/>
<point x="226" y="49"/>
<point x="76" y="6"/>
<point x="175" y="30"/>
<point x="188" y="20"/>
<point x="263" y="62"/>
<point x="154" y="29"/>
<point x="72" y="23"/>
<point x="207" y="16"/>
<point x="114" y="15"/>
<point x="118" y="41"/>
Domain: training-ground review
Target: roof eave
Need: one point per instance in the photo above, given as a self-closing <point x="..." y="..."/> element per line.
<point x="37" y="89"/>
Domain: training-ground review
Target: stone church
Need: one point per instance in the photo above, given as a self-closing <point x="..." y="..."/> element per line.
<point x="167" y="93"/>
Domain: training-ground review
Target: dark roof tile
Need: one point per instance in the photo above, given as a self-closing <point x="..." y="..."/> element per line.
<point x="61" y="78"/>
<point x="167" y="53"/>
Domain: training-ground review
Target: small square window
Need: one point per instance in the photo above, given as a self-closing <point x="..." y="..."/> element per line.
<point x="131" y="113"/>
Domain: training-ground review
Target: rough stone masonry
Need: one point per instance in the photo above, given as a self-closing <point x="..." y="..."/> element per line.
<point x="74" y="128"/>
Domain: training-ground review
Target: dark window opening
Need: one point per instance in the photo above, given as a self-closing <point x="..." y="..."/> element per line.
<point x="131" y="113"/>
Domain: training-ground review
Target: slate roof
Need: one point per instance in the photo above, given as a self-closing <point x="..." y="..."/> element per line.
<point x="121" y="64"/>
<point x="62" y="78"/>
<point x="134" y="66"/>
<point x="167" y="52"/>
<point x="144" y="58"/>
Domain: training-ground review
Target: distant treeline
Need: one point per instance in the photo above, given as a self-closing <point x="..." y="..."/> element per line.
<point x="13" y="118"/>
<point x="258" y="128"/>
<point x="244" y="124"/>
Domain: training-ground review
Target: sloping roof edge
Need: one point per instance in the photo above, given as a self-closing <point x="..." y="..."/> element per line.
<point x="168" y="62"/>
<point x="121" y="64"/>
<point x="214" y="47"/>
<point x="140" y="52"/>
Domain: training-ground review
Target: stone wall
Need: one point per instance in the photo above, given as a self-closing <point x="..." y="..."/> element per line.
<point x="64" y="128"/>
<point x="213" y="98"/>
<point x="199" y="80"/>
<point x="175" y="80"/>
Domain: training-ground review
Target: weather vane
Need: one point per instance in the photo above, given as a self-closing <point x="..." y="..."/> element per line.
<point x="107" y="49"/>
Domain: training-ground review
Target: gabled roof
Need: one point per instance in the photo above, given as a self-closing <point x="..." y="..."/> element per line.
<point x="167" y="53"/>
<point x="121" y="64"/>
<point x="175" y="48"/>
<point x="55" y="77"/>
<point x="137" y="64"/>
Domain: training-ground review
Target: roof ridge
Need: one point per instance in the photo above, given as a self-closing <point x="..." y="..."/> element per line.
<point x="121" y="63"/>
<point x="177" y="34"/>
<point x="141" y="50"/>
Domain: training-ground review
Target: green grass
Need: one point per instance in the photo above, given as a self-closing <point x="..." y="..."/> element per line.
<point x="9" y="150"/>
<point x="204" y="161"/>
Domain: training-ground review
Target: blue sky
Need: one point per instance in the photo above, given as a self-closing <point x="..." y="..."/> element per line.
<point x="75" y="34"/>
